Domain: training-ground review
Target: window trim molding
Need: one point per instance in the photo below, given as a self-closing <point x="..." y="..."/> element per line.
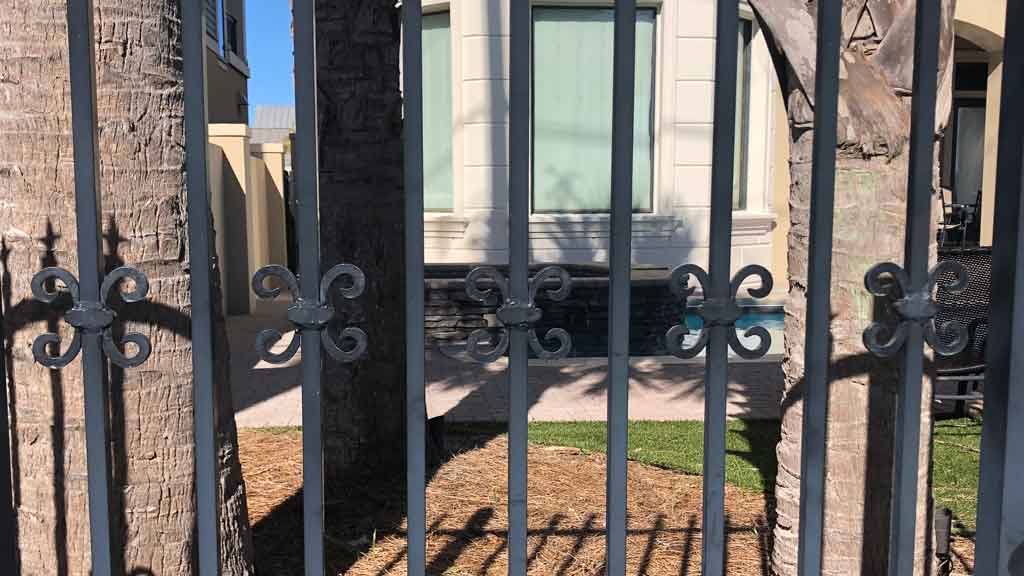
<point x="761" y="128"/>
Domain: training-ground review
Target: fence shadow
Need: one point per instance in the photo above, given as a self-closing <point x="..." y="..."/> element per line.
<point x="147" y="315"/>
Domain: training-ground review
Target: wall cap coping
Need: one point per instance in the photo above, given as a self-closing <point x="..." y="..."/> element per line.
<point x="228" y="131"/>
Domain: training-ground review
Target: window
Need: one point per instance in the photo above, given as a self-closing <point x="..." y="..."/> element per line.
<point x="572" y="107"/>
<point x="437" y="113"/>
<point x="971" y="77"/>
<point x="231" y="34"/>
<point x="212" y="25"/>
<point x="739" y="185"/>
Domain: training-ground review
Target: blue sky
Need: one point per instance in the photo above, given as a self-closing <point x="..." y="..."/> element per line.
<point x="269" y="49"/>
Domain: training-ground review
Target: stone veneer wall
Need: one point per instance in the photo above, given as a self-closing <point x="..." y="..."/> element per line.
<point x="451" y="315"/>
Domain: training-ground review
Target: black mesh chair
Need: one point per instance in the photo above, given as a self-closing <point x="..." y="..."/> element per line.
<point x="971" y="308"/>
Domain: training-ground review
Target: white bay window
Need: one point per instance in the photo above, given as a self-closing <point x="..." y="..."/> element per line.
<point x="572" y="107"/>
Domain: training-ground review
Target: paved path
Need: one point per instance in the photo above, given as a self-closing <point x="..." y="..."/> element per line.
<point x="661" y="388"/>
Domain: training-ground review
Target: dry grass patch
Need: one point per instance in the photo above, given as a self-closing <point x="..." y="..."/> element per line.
<point x="467" y="517"/>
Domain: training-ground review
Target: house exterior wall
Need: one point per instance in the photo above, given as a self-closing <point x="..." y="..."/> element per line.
<point x="229" y="85"/>
<point x="676" y="231"/>
<point x="227" y="72"/>
<point x="983" y="22"/>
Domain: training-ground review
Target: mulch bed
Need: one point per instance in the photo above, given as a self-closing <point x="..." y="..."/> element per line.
<point x="467" y="521"/>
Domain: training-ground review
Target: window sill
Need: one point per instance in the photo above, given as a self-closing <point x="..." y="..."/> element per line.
<point x="238" y="63"/>
<point x="447" y="226"/>
<point x="229" y="57"/>
<point x="645" y="225"/>
<point x="749" y="223"/>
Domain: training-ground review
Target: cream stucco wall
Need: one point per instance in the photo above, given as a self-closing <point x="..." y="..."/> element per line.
<point x="677" y="230"/>
<point x="247" y="197"/>
<point x="268" y="165"/>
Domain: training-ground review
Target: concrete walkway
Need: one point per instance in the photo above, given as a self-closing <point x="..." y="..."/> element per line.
<point x="661" y="388"/>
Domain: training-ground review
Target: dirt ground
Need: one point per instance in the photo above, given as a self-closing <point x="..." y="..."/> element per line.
<point x="466" y="516"/>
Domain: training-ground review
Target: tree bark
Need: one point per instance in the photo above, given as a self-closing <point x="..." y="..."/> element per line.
<point x="361" y="221"/>
<point x="141" y="138"/>
<point x="869" y="227"/>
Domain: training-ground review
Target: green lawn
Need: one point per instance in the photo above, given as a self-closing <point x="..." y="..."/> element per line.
<point x="750" y="446"/>
<point x="955" y="470"/>
<point x="750" y="453"/>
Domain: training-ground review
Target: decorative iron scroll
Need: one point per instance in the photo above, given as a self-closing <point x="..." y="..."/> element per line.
<point x="914" y="304"/>
<point x="718" y="312"/>
<point x="517" y="315"/>
<point x="90" y="317"/>
<point x="307" y="314"/>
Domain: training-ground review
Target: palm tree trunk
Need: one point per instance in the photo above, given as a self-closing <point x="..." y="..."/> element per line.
<point x="869" y="228"/>
<point x="362" y="203"/>
<point x="141" y="138"/>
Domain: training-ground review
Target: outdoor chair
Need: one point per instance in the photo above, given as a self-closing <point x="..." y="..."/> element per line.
<point x="970" y="308"/>
<point x="952" y="218"/>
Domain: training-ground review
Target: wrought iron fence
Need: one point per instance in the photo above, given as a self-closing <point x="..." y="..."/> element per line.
<point x="1000" y="536"/>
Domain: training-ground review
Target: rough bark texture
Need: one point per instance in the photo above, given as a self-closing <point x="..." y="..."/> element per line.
<point x="870" y="218"/>
<point x="140" y="110"/>
<point x="361" y="212"/>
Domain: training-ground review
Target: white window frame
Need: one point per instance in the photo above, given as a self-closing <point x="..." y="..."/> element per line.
<point x="659" y="222"/>
<point x="758" y="216"/>
<point x="451" y="225"/>
<point x="674" y="214"/>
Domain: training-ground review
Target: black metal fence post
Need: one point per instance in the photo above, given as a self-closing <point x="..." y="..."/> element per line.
<point x="915" y="261"/>
<point x="914" y="284"/>
<point x="415" y="383"/>
<point x="201" y="255"/>
<point x="719" y="309"/>
<point x="520" y="55"/>
<point x="90" y="270"/>
<point x="717" y="361"/>
<point x="1000" y="535"/>
<point x="311" y="312"/>
<point x="306" y="167"/>
<point x="817" y="350"/>
<point x="620" y="256"/>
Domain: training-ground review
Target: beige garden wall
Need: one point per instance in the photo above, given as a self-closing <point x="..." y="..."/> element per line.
<point x="247" y="198"/>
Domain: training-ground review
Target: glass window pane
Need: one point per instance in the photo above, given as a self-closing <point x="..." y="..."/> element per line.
<point x="970" y="153"/>
<point x="971" y="76"/>
<point x="437" y="113"/>
<point x="739" y="187"/>
<point x="572" y="87"/>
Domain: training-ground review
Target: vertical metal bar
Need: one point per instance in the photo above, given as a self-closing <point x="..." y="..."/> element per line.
<point x="819" y="275"/>
<point x="306" y="168"/>
<point x="919" y="208"/>
<point x="621" y="266"/>
<point x="201" y="272"/>
<point x="717" y="361"/>
<point x="415" y="392"/>
<point x="1000" y="535"/>
<point x="90" y="273"/>
<point x="519" y="247"/>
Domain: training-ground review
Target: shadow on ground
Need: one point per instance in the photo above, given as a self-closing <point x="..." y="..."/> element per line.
<point x="467" y="532"/>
